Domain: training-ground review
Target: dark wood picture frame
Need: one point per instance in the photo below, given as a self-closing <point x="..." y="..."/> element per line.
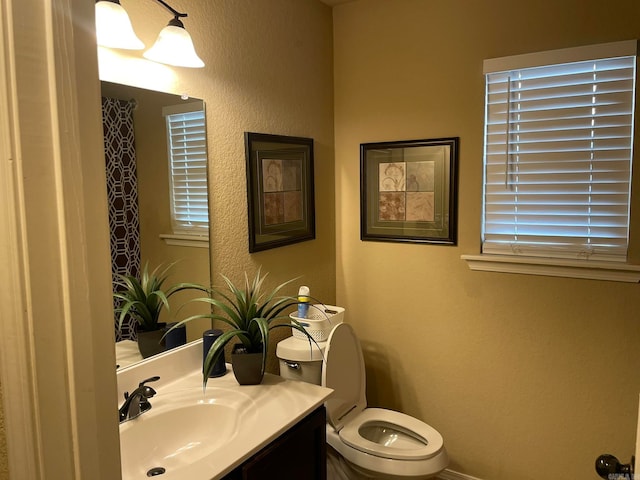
<point x="280" y="190"/>
<point x="408" y="191"/>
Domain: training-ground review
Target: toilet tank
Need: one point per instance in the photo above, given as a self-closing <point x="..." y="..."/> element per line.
<point x="300" y="360"/>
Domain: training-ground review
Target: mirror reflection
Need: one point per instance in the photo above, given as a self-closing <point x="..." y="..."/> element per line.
<point x="156" y="161"/>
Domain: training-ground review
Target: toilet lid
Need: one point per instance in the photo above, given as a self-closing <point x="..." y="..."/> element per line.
<point x="344" y="373"/>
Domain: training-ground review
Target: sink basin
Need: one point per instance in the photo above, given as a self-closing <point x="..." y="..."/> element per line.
<point x="181" y="429"/>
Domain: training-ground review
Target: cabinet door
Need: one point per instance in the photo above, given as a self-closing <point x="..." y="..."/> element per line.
<point x="300" y="453"/>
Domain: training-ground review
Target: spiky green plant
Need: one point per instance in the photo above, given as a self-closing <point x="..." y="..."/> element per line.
<point x="251" y="314"/>
<point x="144" y="298"/>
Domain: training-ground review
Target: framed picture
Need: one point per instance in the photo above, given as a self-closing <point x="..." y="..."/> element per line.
<point x="280" y="192"/>
<point x="408" y="191"/>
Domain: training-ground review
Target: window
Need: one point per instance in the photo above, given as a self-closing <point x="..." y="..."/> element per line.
<point x="558" y="153"/>
<point x="187" y="148"/>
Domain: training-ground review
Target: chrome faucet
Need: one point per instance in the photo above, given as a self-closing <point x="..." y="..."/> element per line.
<point x="137" y="402"/>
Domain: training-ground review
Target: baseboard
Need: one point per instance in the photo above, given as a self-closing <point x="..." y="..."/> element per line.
<point x="451" y="475"/>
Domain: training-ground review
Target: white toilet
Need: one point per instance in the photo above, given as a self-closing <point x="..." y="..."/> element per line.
<point x="373" y="442"/>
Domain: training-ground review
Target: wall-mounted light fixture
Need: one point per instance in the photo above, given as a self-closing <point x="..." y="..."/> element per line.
<point x="173" y="46"/>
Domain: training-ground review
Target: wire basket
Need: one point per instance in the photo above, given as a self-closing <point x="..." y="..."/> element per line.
<point x="319" y="322"/>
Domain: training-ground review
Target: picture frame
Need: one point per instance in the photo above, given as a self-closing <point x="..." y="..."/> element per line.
<point x="408" y="191"/>
<point x="280" y="190"/>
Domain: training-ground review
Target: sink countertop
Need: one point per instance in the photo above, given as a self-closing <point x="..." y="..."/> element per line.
<point x="127" y="353"/>
<point x="275" y="406"/>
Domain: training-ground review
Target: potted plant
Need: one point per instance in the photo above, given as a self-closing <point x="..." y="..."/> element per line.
<point x="144" y="299"/>
<point x="251" y="314"/>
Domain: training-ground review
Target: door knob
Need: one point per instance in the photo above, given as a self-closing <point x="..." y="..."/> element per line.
<point x="609" y="467"/>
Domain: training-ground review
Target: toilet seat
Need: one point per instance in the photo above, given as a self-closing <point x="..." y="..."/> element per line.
<point x="409" y="438"/>
<point x="373" y="466"/>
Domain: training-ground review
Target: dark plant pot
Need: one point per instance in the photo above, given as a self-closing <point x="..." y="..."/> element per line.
<point x="247" y="367"/>
<point x="149" y="342"/>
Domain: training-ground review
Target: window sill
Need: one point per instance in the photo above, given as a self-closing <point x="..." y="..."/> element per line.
<point x="615" y="272"/>
<point x="185" y="240"/>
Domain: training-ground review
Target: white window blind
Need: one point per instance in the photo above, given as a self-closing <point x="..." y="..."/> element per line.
<point x="558" y="154"/>
<point x="186" y="133"/>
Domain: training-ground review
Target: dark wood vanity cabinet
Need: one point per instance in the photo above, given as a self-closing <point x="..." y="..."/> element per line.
<point x="299" y="453"/>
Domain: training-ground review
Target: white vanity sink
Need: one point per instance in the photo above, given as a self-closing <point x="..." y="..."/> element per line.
<point x="196" y="435"/>
<point x="181" y="429"/>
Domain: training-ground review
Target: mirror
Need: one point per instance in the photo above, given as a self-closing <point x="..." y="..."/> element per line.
<point x="140" y="204"/>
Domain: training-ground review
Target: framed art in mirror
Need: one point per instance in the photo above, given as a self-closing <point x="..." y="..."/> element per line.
<point x="280" y="191"/>
<point x="408" y="191"/>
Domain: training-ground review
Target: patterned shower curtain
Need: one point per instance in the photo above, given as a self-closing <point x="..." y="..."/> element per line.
<point x="122" y="189"/>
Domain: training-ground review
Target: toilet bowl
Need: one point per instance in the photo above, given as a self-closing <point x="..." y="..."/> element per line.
<point x="374" y="442"/>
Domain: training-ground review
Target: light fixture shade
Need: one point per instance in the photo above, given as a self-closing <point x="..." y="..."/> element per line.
<point x="113" y="27"/>
<point x="174" y="47"/>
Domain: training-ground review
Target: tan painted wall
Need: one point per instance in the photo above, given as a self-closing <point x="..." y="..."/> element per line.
<point x="511" y="369"/>
<point x="268" y="70"/>
<point x="526" y="377"/>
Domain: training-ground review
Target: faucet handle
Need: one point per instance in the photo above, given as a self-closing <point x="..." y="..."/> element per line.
<point x="146" y="391"/>
<point x="150" y="391"/>
<point x="151" y="379"/>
